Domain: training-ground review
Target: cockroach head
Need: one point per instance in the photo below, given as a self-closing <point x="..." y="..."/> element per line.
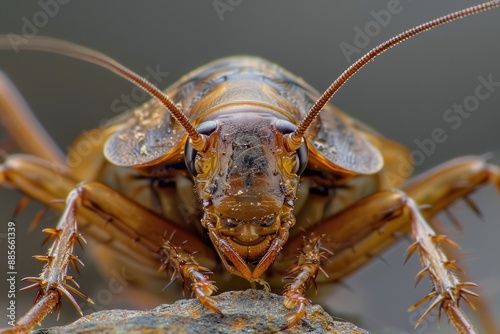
<point x="247" y="179"/>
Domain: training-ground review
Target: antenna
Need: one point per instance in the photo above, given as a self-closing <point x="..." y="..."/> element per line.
<point x="295" y="139"/>
<point x="54" y="45"/>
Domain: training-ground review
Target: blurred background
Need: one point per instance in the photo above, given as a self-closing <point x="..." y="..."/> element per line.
<point x="404" y="94"/>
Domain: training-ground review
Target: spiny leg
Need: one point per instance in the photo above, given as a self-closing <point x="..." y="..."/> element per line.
<point x="448" y="183"/>
<point x="354" y="229"/>
<point x="304" y="274"/>
<point x="52" y="282"/>
<point x="447" y="288"/>
<point x="127" y="228"/>
<point x="184" y="265"/>
<point x="142" y="230"/>
<point x="389" y="209"/>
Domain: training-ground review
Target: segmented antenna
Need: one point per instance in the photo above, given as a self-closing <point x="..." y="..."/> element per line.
<point x="295" y="139"/>
<point x="54" y="45"/>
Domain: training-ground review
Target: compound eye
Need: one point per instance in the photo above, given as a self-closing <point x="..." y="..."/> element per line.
<point x="302" y="156"/>
<point x="286" y="127"/>
<point x="193" y="165"/>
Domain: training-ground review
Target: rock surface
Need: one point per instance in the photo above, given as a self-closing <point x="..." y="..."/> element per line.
<point x="251" y="311"/>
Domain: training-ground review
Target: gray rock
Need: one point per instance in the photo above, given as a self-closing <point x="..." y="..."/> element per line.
<point x="250" y="311"/>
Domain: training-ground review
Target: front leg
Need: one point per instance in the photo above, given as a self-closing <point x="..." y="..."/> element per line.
<point x="52" y="283"/>
<point x="184" y="265"/>
<point x="304" y="274"/>
<point x="371" y="225"/>
<point x="385" y="211"/>
<point x="125" y="227"/>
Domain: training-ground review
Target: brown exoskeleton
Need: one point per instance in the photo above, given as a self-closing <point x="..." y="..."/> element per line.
<point x="248" y="156"/>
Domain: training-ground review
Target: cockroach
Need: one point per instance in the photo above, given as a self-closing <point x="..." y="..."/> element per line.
<point x="274" y="169"/>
